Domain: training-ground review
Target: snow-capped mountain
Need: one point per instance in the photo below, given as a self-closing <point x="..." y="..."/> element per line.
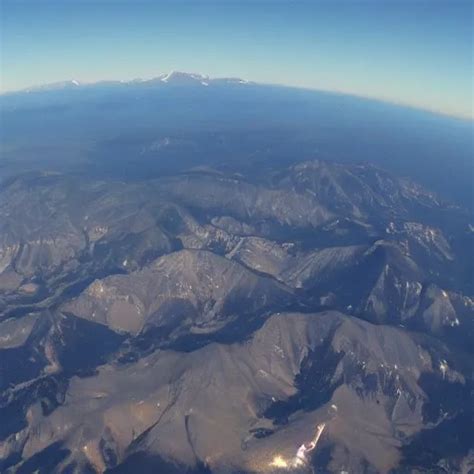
<point x="175" y="78"/>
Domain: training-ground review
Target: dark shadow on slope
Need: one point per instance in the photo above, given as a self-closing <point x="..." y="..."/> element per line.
<point x="314" y="384"/>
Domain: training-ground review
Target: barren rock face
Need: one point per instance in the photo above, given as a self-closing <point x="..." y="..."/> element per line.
<point x="224" y="403"/>
<point x="313" y="318"/>
<point x="201" y="288"/>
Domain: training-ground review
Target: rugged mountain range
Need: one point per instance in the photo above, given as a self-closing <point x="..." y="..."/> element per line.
<point x="211" y="321"/>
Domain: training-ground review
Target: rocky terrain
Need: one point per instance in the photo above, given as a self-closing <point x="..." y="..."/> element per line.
<point x="317" y="317"/>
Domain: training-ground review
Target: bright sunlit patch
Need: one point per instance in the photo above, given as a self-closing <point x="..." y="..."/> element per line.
<point x="278" y="461"/>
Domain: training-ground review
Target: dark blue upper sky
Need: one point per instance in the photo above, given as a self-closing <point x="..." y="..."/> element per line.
<point x="415" y="52"/>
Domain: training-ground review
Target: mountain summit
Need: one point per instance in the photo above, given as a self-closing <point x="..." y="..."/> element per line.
<point x="179" y="77"/>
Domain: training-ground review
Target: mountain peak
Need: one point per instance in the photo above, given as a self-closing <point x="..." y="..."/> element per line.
<point x="179" y="77"/>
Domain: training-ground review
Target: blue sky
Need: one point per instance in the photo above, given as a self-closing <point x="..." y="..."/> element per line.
<point x="413" y="52"/>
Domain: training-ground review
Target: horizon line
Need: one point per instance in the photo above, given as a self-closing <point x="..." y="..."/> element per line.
<point x="137" y="80"/>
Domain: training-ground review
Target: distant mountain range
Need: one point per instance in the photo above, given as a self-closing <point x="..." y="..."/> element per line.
<point x="114" y="127"/>
<point x="173" y="78"/>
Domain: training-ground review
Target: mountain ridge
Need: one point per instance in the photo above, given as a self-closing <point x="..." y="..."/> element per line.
<point x="211" y="320"/>
<point x="171" y="78"/>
